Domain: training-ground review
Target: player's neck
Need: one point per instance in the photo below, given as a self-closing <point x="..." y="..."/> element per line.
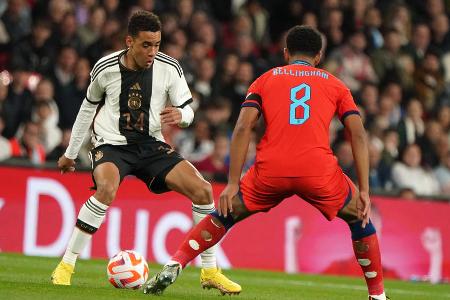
<point x="129" y="62"/>
<point x="301" y="59"/>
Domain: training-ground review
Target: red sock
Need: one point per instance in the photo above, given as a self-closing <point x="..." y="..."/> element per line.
<point x="368" y="255"/>
<point x="203" y="236"/>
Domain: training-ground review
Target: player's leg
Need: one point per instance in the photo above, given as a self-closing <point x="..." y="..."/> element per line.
<point x="365" y="246"/>
<point x="107" y="178"/>
<point x="255" y="195"/>
<point x="203" y="236"/>
<point x="185" y="179"/>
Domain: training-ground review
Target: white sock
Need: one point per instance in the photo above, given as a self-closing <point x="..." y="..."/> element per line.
<point x="90" y="217"/>
<point x="379" y="297"/>
<point x="198" y="213"/>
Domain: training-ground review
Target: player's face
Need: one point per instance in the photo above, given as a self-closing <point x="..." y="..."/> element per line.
<point x="144" y="47"/>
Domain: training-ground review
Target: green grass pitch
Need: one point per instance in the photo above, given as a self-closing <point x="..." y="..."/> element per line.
<point x="25" y="277"/>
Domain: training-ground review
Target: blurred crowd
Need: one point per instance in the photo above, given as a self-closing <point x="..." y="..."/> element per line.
<point x="393" y="55"/>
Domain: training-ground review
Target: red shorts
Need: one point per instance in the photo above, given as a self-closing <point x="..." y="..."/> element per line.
<point x="328" y="194"/>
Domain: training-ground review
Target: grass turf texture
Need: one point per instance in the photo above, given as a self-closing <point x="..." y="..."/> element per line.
<point x="25" y="277"/>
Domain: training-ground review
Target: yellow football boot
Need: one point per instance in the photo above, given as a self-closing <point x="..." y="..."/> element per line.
<point x="62" y="274"/>
<point x="213" y="278"/>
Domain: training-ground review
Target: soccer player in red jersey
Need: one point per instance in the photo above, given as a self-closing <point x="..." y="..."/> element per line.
<point x="298" y="102"/>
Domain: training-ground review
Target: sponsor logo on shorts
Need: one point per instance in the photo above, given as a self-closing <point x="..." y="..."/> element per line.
<point x="98" y="155"/>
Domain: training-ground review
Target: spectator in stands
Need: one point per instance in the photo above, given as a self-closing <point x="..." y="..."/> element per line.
<point x="67" y="33"/>
<point x="419" y="42"/>
<point x="332" y="28"/>
<point x="214" y="166"/>
<point x="28" y="146"/>
<point x="429" y="143"/>
<point x="237" y="92"/>
<point x="441" y="32"/>
<point x="49" y="133"/>
<point x="394" y="91"/>
<point x="399" y="18"/>
<point x="409" y="174"/>
<point x="429" y="80"/>
<point x="351" y="64"/>
<point x="17" y="20"/>
<point x="385" y="60"/>
<point x="226" y="72"/>
<point x="260" y="17"/>
<point x="195" y="145"/>
<point x="412" y="126"/>
<point x="91" y="31"/>
<point x="112" y="8"/>
<point x="36" y="52"/>
<point x="204" y="77"/>
<point x="372" y="29"/>
<point x="443" y="117"/>
<point x="57" y="9"/>
<point x="5" y="148"/>
<point x="60" y="149"/>
<point x="442" y="173"/>
<point x="16" y="108"/>
<point x="3" y="97"/>
<point x="218" y="112"/>
<point x="375" y="178"/>
<point x="46" y="115"/>
<point x="390" y="150"/>
<point x="104" y="43"/>
<point x="345" y="159"/>
<point x="72" y="95"/>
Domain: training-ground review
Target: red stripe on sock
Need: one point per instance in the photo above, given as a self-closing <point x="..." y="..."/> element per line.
<point x="367" y="248"/>
<point x="203" y="236"/>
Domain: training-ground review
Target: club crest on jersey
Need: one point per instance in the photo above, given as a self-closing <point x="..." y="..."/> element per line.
<point x="135" y="97"/>
<point x="98" y="155"/>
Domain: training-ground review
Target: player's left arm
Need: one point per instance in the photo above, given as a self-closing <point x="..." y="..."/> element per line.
<point x="180" y="113"/>
<point x="354" y="126"/>
<point x="350" y="117"/>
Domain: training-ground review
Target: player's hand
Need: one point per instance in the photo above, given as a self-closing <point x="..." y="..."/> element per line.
<point x="363" y="207"/>
<point x="226" y="199"/>
<point x="66" y="164"/>
<point x="170" y="116"/>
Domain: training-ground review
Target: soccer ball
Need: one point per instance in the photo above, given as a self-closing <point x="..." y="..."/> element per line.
<point x="127" y="270"/>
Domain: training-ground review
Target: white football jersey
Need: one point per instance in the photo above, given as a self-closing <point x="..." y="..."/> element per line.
<point x="131" y="101"/>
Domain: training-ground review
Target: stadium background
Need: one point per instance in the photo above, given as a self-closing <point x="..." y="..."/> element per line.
<point x="394" y="56"/>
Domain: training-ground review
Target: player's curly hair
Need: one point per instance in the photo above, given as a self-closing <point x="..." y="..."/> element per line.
<point x="302" y="39"/>
<point x="143" y="21"/>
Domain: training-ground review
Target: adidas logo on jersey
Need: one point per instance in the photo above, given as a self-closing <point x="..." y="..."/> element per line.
<point x="136" y="86"/>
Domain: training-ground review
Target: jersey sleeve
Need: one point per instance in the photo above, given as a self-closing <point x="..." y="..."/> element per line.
<point x="254" y="98"/>
<point x="95" y="91"/>
<point x="179" y="93"/>
<point x="346" y="105"/>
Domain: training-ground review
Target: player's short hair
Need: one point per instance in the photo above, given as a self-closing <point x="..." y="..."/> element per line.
<point x="143" y="21"/>
<point x="303" y="39"/>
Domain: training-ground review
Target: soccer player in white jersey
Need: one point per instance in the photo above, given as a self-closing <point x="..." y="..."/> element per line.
<point x="132" y="92"/>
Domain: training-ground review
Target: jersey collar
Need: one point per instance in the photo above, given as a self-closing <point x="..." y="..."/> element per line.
<point x="301" y="62"/>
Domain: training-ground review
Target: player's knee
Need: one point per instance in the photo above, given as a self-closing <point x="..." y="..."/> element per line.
<point x="202" y="194"/>
<point x="106" y="192"/>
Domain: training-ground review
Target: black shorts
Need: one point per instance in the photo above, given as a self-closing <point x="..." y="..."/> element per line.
<point x="149" y="161"/>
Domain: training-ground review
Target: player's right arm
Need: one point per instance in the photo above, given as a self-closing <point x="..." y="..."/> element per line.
<point x="238" y="153"/>
<point x="94" y="95"/>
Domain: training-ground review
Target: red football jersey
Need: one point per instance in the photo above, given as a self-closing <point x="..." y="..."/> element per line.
<point x="298" y="103"/>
